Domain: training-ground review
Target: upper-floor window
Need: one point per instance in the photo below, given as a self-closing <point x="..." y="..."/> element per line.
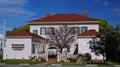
<point x="35" y="31"/>
<point x="83" y="29"/>
<point x="51" y="30"/>
<point x="43" y="31"/>
<point x="76" y="30"/>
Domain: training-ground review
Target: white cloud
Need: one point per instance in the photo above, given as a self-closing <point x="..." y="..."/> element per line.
<point x="96" y="1"/>
<point x="106" y="2"/>
<point x="13" y="2"/>
<point x="16" y="11"/>
<point x="116" y="11"/>
<point x="14" y="7"/>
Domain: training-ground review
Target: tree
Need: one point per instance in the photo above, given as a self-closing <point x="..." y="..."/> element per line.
<point x="23" y="28"/>
<point x="97" y="46"/>
<point x="113" y="44"/>
<point x="62" y="37"/>
<point x="104" y="27"/>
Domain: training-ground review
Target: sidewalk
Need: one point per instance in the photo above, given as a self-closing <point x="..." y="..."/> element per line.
<point x="52" y="60"/>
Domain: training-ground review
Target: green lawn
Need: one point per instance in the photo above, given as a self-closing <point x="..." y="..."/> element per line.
<point x="108" y="63"/>
<point x="68" y="63"/>
<point x="19" y="62"/>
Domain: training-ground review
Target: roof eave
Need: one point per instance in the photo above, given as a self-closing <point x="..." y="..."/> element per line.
<point x="19" y="36"/>
<point x="77" y="22"/>
<point x="85" y="36"/>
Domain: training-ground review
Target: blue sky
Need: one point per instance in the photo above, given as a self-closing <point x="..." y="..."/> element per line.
<point x="18" y="12"/>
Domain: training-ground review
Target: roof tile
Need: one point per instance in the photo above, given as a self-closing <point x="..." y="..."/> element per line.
<point x="64" y="18"/>
<point x="90" y="33"/>
<point x="25" y="33"/>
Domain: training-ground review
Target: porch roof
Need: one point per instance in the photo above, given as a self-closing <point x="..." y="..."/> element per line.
<point x="24" y="34"/>
<point x="90" y="33"/>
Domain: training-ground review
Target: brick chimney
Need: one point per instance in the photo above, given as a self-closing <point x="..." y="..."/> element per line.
<point x="84" y="13"/>
<point x="47" y="14"/>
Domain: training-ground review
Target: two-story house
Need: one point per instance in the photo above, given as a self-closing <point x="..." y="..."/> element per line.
<point x="85" y="26"/>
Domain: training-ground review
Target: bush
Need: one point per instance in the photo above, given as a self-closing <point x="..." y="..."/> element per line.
<point x="79" y="55"/>
<point x="84" y="58"/>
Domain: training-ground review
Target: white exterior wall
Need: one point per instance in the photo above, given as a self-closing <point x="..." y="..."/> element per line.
<point x="83" y="48"/>
<point x="89" y="26"/>
<point x="9" y="53"/>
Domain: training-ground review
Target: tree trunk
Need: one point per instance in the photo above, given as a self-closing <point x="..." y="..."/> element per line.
<point x="104" y="59"/>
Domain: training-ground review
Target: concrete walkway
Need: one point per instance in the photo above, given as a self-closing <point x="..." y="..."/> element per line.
<point x="51" y="60"/>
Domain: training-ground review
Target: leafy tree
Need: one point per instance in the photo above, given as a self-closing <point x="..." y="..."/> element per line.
<point x="104" y="27"/>
<point x="113" y="44"/>
<point x="112" y="35"/>
<point x="23" y="28"/>
<point x="62" y="37"/>
<point x="97" y="46"/>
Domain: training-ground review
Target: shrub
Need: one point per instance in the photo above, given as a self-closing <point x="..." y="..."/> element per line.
<point x="79" y="55"/>
<point x="84" y="58"/>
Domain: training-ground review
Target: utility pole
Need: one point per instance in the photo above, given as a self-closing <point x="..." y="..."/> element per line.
<point x="4" y="26"/>
<point x="4" y="39"/>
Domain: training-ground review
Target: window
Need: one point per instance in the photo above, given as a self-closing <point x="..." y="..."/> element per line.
<point x="43" y="30"/>
<point x="76" y="30"/>
<point x="33" y="48"/>
<point x="83" y="29"/>
<point x="17" y="46"/>
<point x="35" y="31"/>
<point x="50" y="30"/>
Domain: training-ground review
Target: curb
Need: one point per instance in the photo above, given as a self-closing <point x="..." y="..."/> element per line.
<point x="24" y="64"/>
<point x="56" y="65"/>
<point x="2" y="63"/>
<point x="116" y="65"/>
<point x="90" y="65"/>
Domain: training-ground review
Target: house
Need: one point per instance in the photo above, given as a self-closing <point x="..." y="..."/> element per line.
<point x="22" y="45"/>
<point x="85" y="27"/>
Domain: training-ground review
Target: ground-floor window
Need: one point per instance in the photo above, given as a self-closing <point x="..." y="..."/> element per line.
<point x="33" y="48"/>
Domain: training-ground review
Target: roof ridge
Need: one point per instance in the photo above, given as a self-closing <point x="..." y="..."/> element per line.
<point x="69" y="17"/>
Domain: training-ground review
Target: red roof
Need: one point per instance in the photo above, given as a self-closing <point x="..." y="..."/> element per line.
<point x="64" y="18"/>
<point x="25" y="33"/>
<point x="90" y="33"/>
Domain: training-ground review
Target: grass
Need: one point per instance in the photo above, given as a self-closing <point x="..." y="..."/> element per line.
<point x="108" y="63"/>
<point x="19" y="62"/>
<point x="68" y="63"/>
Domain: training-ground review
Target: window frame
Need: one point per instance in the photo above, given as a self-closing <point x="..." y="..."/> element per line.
<point x="49" y="30"/>
<point x="78" y="30"/>
<point x="35" y="31"/>
<point x="33" y="48"/>
<point x="42" y="31"/>
<point x="86" y="28"/>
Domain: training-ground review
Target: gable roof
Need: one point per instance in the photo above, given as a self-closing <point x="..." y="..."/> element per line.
<point x="23" y="34"/>
<point x="90" y="33"/>
<point x="63" y="18"/>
